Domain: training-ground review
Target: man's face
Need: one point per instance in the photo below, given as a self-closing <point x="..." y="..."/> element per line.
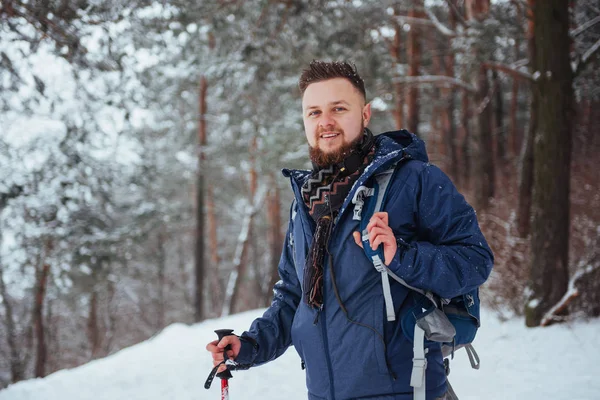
<point x="334" y="114"/>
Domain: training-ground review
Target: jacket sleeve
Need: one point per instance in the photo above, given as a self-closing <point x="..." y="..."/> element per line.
<point x="270" y="335"/>
<point x="450" y="256"/>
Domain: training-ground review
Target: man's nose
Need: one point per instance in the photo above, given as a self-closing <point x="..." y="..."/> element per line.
<point x="326" y="121"/>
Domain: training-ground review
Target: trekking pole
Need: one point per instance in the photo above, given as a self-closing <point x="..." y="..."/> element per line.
<point x="225" y="375"/>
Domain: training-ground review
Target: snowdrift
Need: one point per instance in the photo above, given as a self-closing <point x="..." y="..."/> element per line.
<point x="558" y="362"/>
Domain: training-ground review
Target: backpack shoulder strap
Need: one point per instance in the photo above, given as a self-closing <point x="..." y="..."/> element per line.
<point x="375" y="204"/>
<point x="379" y="195"/>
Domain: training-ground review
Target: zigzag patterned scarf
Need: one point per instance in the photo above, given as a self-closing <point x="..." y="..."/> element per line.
<point x="324" y="193"/>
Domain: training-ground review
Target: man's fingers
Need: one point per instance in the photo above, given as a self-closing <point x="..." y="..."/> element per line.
<point x="217" y="350"/>
<point x="383" y="216"/>
<point x="212" y="346"/>
<point x="232" y="341"/>
<point x="357" y="239"/>
<point x="380" y="234"/>
<point x="379" y="239"/>
<point x="217" y="358"/>
<point x="378" y="219"/>
<point x="375" y="221"/>
<point x="377" y="231"/>
<point x="226" y="341"/>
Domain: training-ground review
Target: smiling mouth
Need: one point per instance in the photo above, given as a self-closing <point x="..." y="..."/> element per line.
<point x="330" y="135"/>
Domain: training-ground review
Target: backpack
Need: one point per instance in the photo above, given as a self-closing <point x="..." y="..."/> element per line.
<point x="451" y="322"/>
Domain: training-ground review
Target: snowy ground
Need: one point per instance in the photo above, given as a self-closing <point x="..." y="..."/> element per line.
<point x="559" y="362"/>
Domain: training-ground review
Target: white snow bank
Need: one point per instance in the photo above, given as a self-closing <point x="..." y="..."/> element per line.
<point x="558" y="362"/>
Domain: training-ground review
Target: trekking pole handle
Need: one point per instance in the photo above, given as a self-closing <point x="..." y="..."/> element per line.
<point x="221" y="333"/>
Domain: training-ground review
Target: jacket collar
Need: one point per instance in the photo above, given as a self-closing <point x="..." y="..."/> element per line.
<point x="390" y="147"/>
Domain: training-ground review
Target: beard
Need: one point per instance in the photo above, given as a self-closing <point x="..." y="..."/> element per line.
<point x="323" y="159"/>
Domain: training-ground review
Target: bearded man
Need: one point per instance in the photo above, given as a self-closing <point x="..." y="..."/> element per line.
<point x="329" y="302"/>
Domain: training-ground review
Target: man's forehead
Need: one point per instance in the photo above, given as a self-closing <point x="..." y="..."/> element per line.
<point x="330" y="92"/>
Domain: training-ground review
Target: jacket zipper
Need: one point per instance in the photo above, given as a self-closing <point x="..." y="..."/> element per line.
<point x="322" y="309"/>
<point x="326" y="346"/>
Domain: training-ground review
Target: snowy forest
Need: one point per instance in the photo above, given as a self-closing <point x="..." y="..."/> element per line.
<point x="141" y="144"/>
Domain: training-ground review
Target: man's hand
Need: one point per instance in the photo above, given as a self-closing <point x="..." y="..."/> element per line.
<point x="380" y="232"/>
<point x="217" y="348"/>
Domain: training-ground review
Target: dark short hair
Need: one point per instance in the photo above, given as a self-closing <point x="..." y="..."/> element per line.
<point x="319" y="71"/>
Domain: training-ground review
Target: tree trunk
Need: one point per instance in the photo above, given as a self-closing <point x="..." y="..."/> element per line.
<point x="549" y="273"/>
<point x="275" y="236"/>
<point x="526" y="157"/>
<point x="484" y="153"/>
<point x="437" y="132"/>
<point x="396" y="51"/>
<point x="514" y="101"/>
<point x="161" y="265"/>
<point x="111" y="325"/>
<point x="448" y="95"/>
<point x="16" y="363"/>
<point x="466" y="139"/>
<point x="93" y="325"/>
<point x="232" y="291"/>
<point x="200" y="262"/>
<point x="216" y="287"/>
<point x="499" y="131"/>
<point x="53" y="363"/>
<point x="185" y="279"/>
<point x="526" y="173"/>
<point x="38" y="318"/>
<point x="414" y="65"/>
<point x="476" y="9"/>
<point x="17" y="367"/>
<point x="242" y="264"/>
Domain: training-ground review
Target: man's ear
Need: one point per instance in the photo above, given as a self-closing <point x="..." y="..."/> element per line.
<point x="366" y="113"/>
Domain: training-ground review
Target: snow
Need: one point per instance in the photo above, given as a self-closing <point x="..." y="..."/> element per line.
<point x="557" y="362"/>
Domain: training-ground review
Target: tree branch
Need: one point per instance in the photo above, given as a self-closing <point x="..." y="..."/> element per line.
<point x="440" y="27"/>
<point x="434" y="79"/>
<point x="413" y="20"/>
<point x="583" y="27"/>
<point x="515" y="73"/>
<point x="571" y="293"/>
<point x="585" y="58"/>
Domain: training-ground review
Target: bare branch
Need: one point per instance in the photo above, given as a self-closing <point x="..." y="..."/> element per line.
<point x="434" y="79"/>
<point x="515" y="73"/>
<point x="520" y="63"/>
<point x="590" y="52"/>
<point x="583" y="27"/>
<point x="412" y="20"/>
<point x="571" y="293"/>
<point x="585" y="58"/>
<point x="440" y="27"/>
<point x="591" y="7"/>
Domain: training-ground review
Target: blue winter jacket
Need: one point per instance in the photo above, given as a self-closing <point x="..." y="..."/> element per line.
<point x="372" y="358"/>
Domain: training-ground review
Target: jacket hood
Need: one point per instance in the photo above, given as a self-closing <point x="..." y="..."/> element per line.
<point x="409" y="143"/>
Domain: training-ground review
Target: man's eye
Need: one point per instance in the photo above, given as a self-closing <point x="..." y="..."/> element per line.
<point x="313" y="113"/>
<point x="339" y="109"/>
